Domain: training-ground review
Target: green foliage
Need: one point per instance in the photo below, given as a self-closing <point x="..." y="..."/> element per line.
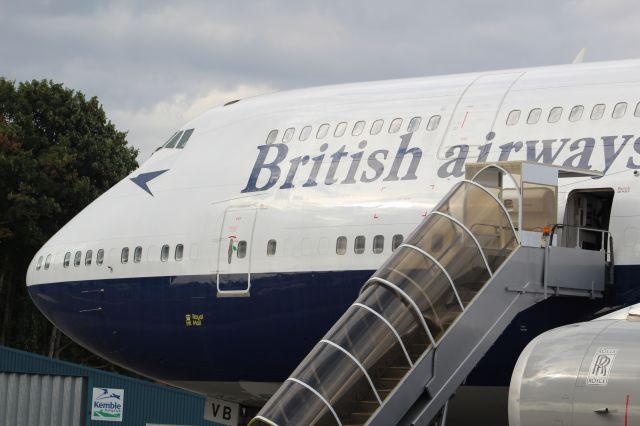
<point x="58" y="152"/>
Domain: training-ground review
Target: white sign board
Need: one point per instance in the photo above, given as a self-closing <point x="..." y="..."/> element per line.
<point x="107" y="404"/>
<point x="600" y="367"/>
<point x="220" y="411"/>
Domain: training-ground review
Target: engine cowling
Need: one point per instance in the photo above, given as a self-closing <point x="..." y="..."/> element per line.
<point x="584" y="374"/>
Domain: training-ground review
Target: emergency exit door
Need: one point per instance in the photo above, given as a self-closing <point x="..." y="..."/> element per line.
<point x="234" y="253"/>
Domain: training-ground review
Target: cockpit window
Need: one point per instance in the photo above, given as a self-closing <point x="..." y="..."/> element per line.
<point x="185" y="138"/>
<point x="173" y="141"/>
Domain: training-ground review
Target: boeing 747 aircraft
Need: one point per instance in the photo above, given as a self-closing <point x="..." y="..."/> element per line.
<point x="220" y="262"/>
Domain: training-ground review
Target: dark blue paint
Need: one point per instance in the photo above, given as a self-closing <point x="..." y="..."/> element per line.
<point x="141" y="322"/>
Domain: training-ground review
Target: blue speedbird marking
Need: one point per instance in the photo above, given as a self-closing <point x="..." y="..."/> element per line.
<point x="144" y="178"/>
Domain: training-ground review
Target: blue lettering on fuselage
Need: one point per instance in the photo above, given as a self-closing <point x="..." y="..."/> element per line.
<point x="270" y="163"/>
<point x="273" y="167"/>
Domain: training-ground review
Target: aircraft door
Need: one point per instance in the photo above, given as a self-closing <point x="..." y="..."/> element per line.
<point x="234" y="253"/>
<point x="473" y="120"/>
<point x="586" y="212"/>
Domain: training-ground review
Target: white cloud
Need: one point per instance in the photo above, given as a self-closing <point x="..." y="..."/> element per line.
<point x="150" y="127"/>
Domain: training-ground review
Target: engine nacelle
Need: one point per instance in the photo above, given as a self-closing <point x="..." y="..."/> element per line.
<point x="584" y="374"/>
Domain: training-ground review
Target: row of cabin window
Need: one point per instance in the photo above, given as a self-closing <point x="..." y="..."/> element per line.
<point x="555" y="113"/>
<point x="360" y="242"/>
<point x="124" y="256"/>
<point x="357" y="130"/>
<point x="341" y="245"/>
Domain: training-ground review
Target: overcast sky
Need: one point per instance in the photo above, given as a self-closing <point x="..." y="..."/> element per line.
<point x="156" y="64"/>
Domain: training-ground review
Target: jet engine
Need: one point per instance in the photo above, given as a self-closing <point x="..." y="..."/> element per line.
<point x="584" y="374"/>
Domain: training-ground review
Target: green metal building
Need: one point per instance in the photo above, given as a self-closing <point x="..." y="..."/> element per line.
<point x="36" y="390"/>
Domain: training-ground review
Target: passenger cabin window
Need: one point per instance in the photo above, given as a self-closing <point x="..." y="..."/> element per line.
<point x="67" y="259"/>
<point x="414" y="124"/>
<point x="242" y="249"/>
<point x="341" y="245"/>
<point x="271" y="137"/>
<point x="271" y="248"/>
<point x="47" y="262"/>
<point x="513" y="117"/>
<point x="88" y="257"/>
<point x="576" y="113"/>
<point x="137" y="254"/>
<point x="619" y="110"/>
<point x="124" y="255"/>
<point x="433" y="123"/>
<point x="322" y="131"/>
<point x="357" y="128"/>
<point x="171" y="143"/>
<point x="534" y="116"/>
<point x="378" y="244"/>
<point x="304" y="134"/>
<point x="597" y="112"/>
<point x="358" y="245"/>
<point x="185" y="138"/>
<point x="288" y="135"/>
<point x="100" y="257"/>
<point x="179" y="254"/>
<point x="376" y="127"/>
<point x="39" y="264"/>
<point x="636" y="113"/>
<point x="340" y="129"/>
<point x="555" y="114"/>
<point x="395" y="125"/>
<point x="77" y="258"/>
<point x="164" y="253"/>
<point x="396" y="241"/>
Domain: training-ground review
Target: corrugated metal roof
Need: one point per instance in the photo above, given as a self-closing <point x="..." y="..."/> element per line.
<point x="144" y="402"/>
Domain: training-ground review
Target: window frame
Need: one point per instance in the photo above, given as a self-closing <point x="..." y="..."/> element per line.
<point x="341" y="245"/>
<point x="378" y="249"/>
<point x="433" y="123"/>
<point x="395" y="128"/>
<point x="272" y="247"/>
<point x="164" y="253"/>
<point x="396" y="242"/>
<point x="538" y="116"/>
<point x="513" y="117"/>
<point x="241" y="249"/>
<point x="359" y="244"/>
<point x="179" y="249"/>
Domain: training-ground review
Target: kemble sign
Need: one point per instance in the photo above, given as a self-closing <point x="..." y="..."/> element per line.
<point x="107" y="404"/>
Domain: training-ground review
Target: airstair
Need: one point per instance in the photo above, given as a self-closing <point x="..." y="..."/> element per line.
<point x="424" y="320"/>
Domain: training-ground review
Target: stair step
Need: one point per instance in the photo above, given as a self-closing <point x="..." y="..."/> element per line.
<point x="386" y="382"/>
<point x="360" y="417"/>
<point x="362" y="406"/>
<point x="393" y="372"/>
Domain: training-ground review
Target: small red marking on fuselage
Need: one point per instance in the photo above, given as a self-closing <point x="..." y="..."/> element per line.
<point x="464" y="120"/>
<point x="626" y="412"/>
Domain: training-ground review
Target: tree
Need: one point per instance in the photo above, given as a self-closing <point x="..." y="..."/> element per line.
<point x="58" y="152"/>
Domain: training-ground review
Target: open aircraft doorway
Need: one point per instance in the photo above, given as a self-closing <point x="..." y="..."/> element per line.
<point x="587" y="214"/>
